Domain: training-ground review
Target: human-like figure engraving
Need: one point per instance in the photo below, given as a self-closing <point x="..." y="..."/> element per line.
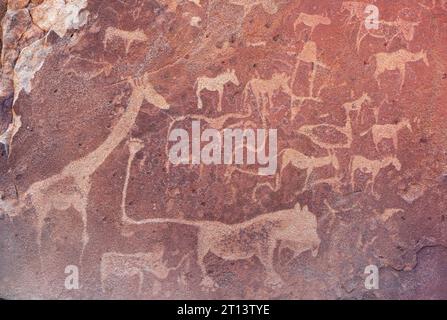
<point x="215" y="84"/>
<point x="295" y="228"/>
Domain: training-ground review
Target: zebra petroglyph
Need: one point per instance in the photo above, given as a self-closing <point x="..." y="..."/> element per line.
<point x="390" y="61"/>
<point x="215" y="84"/>
<point x="372" y="167"/>
<point x="387" y="131"/>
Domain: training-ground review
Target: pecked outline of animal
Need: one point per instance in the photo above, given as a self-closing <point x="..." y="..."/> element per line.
<point x="388" y="30"/>
<point x="215" y="84"/>
<point x="373" y="167"/>
<point x="130" y="264"/>
<point x="76" y="176"/>
<point x="346" y="130"/>
<point x="296" y="228"/>
<point x="397" y="60"/>
<point x="269" y="6"/>
<point x="311" y="20"/>
<point x="127" y="36"/>
<point x="356" y="105"/>
<point x="300" y="161"/>
<point x="387" y="131"/>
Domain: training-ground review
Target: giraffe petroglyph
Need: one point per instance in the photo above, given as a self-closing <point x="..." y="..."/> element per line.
<point x="390" y="61"/>
<point x="124" y="265"/>
<point x="372" y="167"/>
<point x="387" y="131"/>
<point x="71" y="186"/>
<point x="127" y="36"/>
<point x="215" y="84"/>
<point x="312" y="21"/>
<point x="295" y="228"/>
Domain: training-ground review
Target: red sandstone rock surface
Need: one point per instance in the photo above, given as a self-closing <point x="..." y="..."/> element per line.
<point x="91" y="89"/>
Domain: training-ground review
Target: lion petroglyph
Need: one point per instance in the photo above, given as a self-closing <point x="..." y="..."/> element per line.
<point x="311" y="20"/>
<point x="390" y="61"/>
<point x="71" y="187"/>
<point x="125" y="265"/>
<point x="127" y="36"/>
<point x="387" y="131"/>
<point x="295" y="228"/>
<point x="372" y="167"/>
<point x="215" y="84"/>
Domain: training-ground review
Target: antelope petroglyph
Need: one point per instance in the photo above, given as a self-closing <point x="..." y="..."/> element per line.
<point x="302" y="162"/>
<point x="390" y="61"/>
<point x="388" y="30"/>
<point x="312" y="21"/>
<point x="127" y="36"/>
<point x="122" y="265"/>
<point x="295" y="229"/>
<point x="215" y="84"/>
<point x="269" y="6"/>
<point x="71" y="187"/>
<point x="356" y="105"/>
<point x="387" y="131"/>
<point x="372" y="167"/>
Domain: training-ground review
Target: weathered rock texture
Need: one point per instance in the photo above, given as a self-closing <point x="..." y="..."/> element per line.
<point x="91" y="89"/>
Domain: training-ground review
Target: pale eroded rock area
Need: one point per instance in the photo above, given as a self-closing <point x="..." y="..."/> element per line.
<point x="91" y="89"/>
